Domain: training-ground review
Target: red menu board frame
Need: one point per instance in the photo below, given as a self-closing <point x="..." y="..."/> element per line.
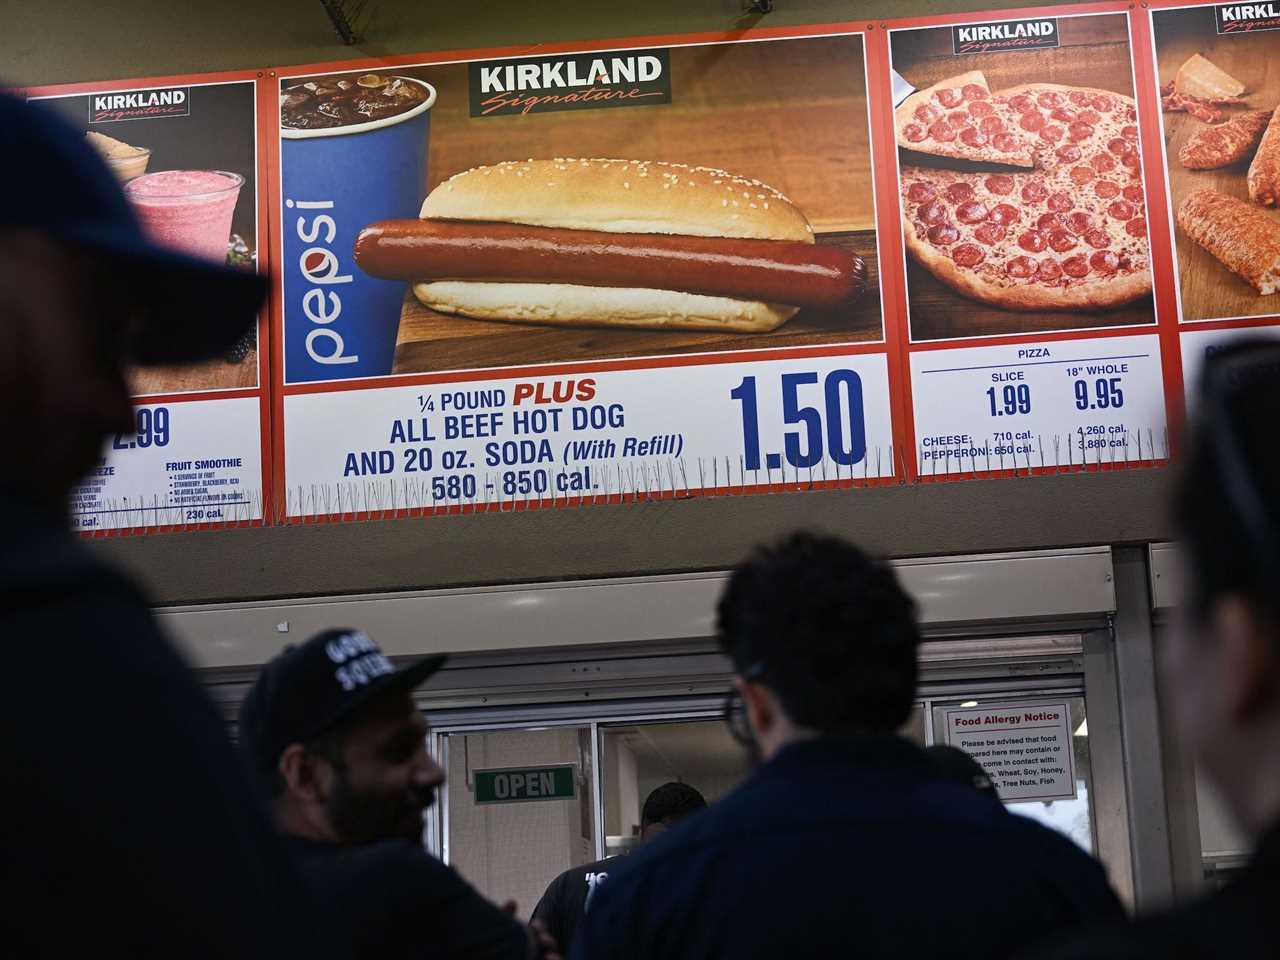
<point x="1195" y="333"/>
<point x="897" y="277"/>
<point x="175" y="386"/>
<point x="1162" y="322"/>
<point x="890" y="344"/>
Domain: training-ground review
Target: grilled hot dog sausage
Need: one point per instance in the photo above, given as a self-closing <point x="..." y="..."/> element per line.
<point x="774" y="271"/>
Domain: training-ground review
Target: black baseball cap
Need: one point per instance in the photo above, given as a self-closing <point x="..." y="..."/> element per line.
<point x="308" y="689"/>
<point x="956" y="766"/>
<point x="54" y="181"/>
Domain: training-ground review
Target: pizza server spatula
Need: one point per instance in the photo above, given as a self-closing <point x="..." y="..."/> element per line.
<point x="901" y="89"/>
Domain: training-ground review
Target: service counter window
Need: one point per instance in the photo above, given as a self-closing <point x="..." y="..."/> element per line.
<point x="638" y="757"/>
<point x="1034" y="749"/>
<point x="535" y="790"/>
<point x="1224" y="849"/>
<point x="520" y="808"/>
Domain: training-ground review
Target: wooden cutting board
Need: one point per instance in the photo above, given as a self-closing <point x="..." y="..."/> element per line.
<point x="1094" y="52"/>
<point x="1208" y="289"/>
<point x="431" y="341"/>
<point x="211" y="375"/>
<point x="939" y="313"/>
<point x="792" y="114"/>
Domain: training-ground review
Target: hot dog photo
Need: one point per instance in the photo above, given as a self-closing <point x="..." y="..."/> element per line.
<point x="1020" y="177"/>
<point x="649" y="202"/>
<point x="1220" y="105"/>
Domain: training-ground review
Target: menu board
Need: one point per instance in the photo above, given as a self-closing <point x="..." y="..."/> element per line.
<point x="1223" y="157"/>
<point x="1067" y="403"/>
<point x="1025" y="228"/>
<point x="584" y="273"/>
<point x="1201" y="342"/>
<point x="186" y="152"/>
<point x="778" y="259"/>
<point x="1218" y="97"/>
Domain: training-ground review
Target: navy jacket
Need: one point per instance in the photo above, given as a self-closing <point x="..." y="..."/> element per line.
<point x="378" y="901"/>
<point x="127" y="824"/>
<point x="846" y="848"/>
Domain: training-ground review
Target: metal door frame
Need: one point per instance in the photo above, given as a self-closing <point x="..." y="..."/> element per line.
<point x="1095" y="683"/>
<point x="524" y="718"/>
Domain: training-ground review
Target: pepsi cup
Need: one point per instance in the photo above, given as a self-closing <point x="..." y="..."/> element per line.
<point x="339" y="323"/>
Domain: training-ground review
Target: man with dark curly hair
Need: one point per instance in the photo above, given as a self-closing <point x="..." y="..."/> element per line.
<point x="847" y="840"/>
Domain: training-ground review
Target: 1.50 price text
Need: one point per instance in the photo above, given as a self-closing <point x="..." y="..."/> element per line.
<point x="830" y="421"/>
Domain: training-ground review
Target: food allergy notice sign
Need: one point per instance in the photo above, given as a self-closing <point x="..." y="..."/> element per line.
<point x="1024" y="747"/>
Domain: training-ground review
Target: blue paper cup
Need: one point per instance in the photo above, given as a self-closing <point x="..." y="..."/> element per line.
<point x="340" y="323"/>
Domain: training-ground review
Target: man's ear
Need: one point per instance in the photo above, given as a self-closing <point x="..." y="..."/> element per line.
<point x="1250" y="659"/>
<point x="762" y="706"/>
<point x="307" y="777"/>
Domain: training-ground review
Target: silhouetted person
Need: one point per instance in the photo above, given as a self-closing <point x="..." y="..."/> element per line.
<point x="955" y="765"/>
<point x="1220" y="664"/>
<point x="126" y="826"/>
<point x="845" y="841"/>
<point x="332" y="732"/>
<point x="568" y="897"/>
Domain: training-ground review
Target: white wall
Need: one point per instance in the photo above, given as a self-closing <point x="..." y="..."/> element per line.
<point x="511" y="851"/>
<point x="1220" y="835"/>
<point x="622" y="792"/>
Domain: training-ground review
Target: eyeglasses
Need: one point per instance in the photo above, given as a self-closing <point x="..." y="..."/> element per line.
<point x="735" y="711"/>
<point x="735" y="718"/>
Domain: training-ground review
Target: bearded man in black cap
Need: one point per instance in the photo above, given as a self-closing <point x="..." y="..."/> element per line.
<point x="127" y="825"/>
<point x="331" y="731"/>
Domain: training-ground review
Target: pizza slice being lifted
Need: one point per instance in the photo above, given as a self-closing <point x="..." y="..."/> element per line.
<point x="958" y="118"/>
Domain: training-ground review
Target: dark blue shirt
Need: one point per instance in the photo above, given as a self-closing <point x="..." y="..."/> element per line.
<point x="842" y="848"/>
<point x="393" y="899"/>
<point x="127" y="824"/>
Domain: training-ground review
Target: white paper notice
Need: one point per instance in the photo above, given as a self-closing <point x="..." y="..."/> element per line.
<point x="652" y="431"/>
<point x="1198" y="344"/>
<point x="1060" y="403"/>
<point x="187" y="464"/>
<point x="1024" y="747"/>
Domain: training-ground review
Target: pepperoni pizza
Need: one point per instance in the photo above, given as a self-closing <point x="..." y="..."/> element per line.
<point x="1066" y="231"/>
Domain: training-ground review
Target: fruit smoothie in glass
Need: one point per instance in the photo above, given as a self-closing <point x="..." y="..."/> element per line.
<point x="187" y="210"/>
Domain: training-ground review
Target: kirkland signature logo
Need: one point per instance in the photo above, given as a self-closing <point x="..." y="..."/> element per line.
<point x="1009" y="35"/>
<point x="139" y="105"/>
<point x="1243" y="17"/>
<point x="619" y="78"/>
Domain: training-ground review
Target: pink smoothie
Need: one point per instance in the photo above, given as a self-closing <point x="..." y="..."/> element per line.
<point x="189" y="210"/>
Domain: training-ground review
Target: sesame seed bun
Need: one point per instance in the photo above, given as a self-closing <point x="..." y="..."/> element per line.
<point x="571" y="305"/>
<point x="620" y="196"/>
